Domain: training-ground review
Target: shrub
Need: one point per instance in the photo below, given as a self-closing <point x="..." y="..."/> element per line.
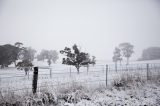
<point x="128" y="80"/>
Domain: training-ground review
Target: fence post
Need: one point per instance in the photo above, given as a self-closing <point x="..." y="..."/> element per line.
<point x="50" y="72"/>
<point x="106" y="74"/>
<point x="116" y="66"/>
<point x="0" y="80"/>
<point x="147" y="71"/>
<point x="35" y="78"/>
<point x="28" y="73"/>
<point x="87" y="68"/>
<point x="70" y="71"/>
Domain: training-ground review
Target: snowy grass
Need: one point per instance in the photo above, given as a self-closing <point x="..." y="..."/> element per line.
<point x="134" y="90"/>
<point x="129" y="87"/>
<point x="129" y="80"/>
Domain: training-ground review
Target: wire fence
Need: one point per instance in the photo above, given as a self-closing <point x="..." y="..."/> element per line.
<point x="48" y="76"/>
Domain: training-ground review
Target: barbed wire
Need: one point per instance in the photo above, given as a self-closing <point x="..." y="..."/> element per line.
<point x="102" y="70"/>
<point x="89" y="72"/>
<point x="66" y="83"/>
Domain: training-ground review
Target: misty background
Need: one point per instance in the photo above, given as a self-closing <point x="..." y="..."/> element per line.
<point x="98" y="26"/>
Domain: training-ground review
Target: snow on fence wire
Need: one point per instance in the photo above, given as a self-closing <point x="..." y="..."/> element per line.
<point x="47" y="76"/>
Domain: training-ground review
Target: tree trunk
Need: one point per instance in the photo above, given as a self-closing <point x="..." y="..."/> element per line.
<point x="26" y="70"/>
<point x="77" y="69"/>
<point x="15" y="63"/>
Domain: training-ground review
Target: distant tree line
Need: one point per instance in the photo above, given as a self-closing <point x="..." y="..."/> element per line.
<point x="151" y="53"/>
<point x="12" y="53"/>
<point x="50" y="55"/>
<point x="22" y="56"/>
<point x="8" y="54"/>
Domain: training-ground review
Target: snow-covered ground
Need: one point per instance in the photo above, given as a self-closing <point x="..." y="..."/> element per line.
<point x="58" y="75"/>
<point x="143" y="94"/>
<point x="147" y="95"/>
<point x="11" y="78"/>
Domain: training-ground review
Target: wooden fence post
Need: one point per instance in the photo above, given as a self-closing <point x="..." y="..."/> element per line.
<point x="116" y="66"/>
<point x="35" y="78"/>
<point x="106" y="74"/>
<point x="28" y="73"/>
<point x="50" y="72"/>
<point x="70" y="71"/>
<point x="148" y="71"/>
<point x="87" y="68"/>
<point x="0" y="80"/>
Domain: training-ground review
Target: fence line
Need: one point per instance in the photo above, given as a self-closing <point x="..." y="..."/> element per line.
<point x="148" y="68"/>
<point x="66" y="83"/>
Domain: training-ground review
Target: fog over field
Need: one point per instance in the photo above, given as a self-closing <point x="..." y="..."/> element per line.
<point x="79" y="52"/>
<point x="98" y="26"/>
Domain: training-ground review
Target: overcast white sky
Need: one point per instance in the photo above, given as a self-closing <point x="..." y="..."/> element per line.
<point x="95" y="25"/>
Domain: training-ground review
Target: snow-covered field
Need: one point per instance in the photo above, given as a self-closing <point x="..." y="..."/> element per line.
<point x="58" y="75"/>
<point x="79" y="94"/>
<point x="147" y="95"/>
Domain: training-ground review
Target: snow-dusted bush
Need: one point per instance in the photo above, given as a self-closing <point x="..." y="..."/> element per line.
<point x="128" y="80"/>
<point x="155" y="78"/>
<point x="10" y="99"/>
<point x="73" y="92"/>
